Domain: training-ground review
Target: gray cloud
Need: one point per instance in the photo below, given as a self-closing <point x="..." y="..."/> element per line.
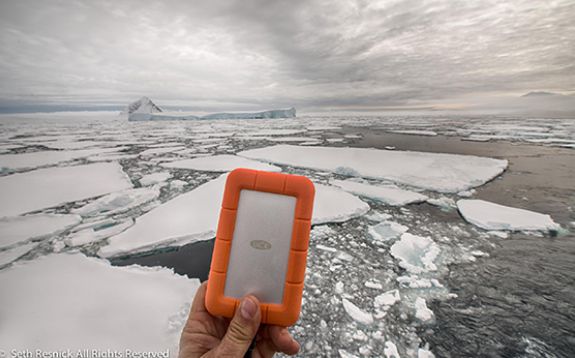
<point x="255" y="54"/>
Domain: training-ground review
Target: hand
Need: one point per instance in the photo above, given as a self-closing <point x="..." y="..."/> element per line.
<point x="205" y="335"/>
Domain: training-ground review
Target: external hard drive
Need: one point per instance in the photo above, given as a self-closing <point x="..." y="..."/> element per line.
<point x="261" y="244"/>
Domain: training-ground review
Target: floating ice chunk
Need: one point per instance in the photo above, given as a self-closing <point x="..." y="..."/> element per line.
<point x="499" y="234"/>
<point x="155" y="178"/>
<point x="390" y="350"/>
<point x="445" y="203"/>
<point x="323" y="128"/>
<point x="339" y="288"/>
<point x="39" y="159"/>
<point x="386" y="230"/>
<point x="193" y="216"/>
<point x="415" y="132"/>
<point x="390" y="195"/>
<point x="220" y="163"/>
<point x="119" y="202"/>
<point x="346" y="354"/>
<point x="388" y="298"/>
<point x="92" y="303"/>
<point x="422" y="313"/>
<point x="415" y="253"/>
<point x="433" y="171"/>
<point x="335" y="205"/>
<point x="29" y="227"/>
<point x="290" y="139"/>
<point x="112" y="157"/>
<point x="377" y="216"/>
<point x="325" y="248"/>
<point x="8" y="256"/>
<point x="416" y="282"/>
<point x="44" y="188"/>
<point x="163" y="150"/>
<point x="373" y="284"/>
<point x="424" y="353"/>
<point x="356" y="313"/>
<point x="466" y="193"/>
<point x="491" y="216"/>
<point x="177" y="184"/>
<point x="88" y="236"/>
<point x="272" y="132"/>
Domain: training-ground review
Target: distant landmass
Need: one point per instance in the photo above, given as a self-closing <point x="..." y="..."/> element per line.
<point x="146" y="110"/>
<point x="540" y="93"/>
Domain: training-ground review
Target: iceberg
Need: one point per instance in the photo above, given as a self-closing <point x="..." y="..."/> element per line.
<point x="145" y="110"/>
<point x="79" y="302"/>
<point x="450" y="173"/>
<point x="491" y="216"/>
<point x="45" y="188"/>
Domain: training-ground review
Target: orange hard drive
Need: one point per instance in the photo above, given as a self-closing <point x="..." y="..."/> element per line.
<point x="261" y="244"/>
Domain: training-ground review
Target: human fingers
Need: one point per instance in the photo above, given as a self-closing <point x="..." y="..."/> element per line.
<point x="242" y="329"/>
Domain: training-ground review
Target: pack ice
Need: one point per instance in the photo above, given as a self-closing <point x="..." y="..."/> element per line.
<point x="491" y="216"/>
<point x="77" y="302"/>
<point x="220" y="163"/>
<point x="29" y="227"/>
<point x="440" y="172"/>
<point x="44" y="188"/>
<point x="193" y="216"/>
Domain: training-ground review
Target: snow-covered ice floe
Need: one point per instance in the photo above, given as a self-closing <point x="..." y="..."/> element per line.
<point x="44" y="188"/>
<point x="77" y="302"/>
<point x="449" y="173"/>
<point x="491" y="216"/>
<point x="24" y="228"/>
<point x="386" y="230"/>
<point x="49" y="157"/>
<point x="390" y="195"/>
<point x="119" y="202"/>
<point x="220" y="163"/>
<point x="10" y="255"/>
<point x="193" y="216"/>
<point x="356" y="313"/>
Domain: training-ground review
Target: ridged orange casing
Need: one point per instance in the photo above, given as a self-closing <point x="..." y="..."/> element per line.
<point x="287" y="313"/>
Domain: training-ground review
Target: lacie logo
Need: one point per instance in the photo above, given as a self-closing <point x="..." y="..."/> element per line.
<point x="260" y="244"/>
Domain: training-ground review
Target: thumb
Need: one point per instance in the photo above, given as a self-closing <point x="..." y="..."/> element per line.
<point x="242" y="329"/>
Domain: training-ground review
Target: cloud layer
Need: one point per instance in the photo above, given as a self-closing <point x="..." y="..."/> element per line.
<point x="253" y="54"/>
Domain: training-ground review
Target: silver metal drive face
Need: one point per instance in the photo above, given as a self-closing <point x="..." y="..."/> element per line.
<point x="260" y="246"/>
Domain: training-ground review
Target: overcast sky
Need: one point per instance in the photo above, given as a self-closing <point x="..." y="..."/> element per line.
<point x="255" y="54"/>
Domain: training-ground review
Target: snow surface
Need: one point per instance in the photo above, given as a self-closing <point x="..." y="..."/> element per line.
<point x="356" y="313"/>
<point x="390" y="195"/>
<point x="44" y="188"/>
<point x="220" y="163"/>
<point x="433" y="171"/>
<point x="90" y="235"/>
<point x="193" y="216"/>
<point x="491" y="216"/>
<point x="415" y="253"/>
<point x="8" y="256"/>
<point x="119" y="202"/>
<point x="44" y="158"/>
<point x="74" y="302"/>
<point x="23" y="228"/>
